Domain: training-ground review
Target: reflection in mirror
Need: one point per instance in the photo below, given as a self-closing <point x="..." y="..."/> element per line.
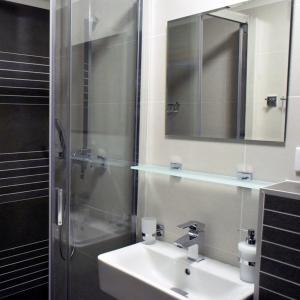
<point x="227" y="73"/>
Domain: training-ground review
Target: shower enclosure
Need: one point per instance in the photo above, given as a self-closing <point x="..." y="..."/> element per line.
<point x="95" y="63"/>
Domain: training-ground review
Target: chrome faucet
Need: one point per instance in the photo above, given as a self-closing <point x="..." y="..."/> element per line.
<point x="192" y="240"/>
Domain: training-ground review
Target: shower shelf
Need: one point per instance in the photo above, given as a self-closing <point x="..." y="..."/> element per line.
<point x="101" y="162"/>
<point x="205" y="177"/>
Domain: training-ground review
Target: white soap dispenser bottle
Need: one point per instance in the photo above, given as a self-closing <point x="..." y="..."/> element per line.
<point x="247" y="251"/>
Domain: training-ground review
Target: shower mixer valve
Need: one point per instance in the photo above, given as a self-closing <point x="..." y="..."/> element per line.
<point x="84" y="158"/>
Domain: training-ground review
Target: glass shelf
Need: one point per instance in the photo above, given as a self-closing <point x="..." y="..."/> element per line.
<point x="201" y="176"/>
<point x="101" y="162"/>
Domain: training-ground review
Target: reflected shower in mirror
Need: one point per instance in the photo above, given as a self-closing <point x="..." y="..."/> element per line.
<point x="227" y="73"/>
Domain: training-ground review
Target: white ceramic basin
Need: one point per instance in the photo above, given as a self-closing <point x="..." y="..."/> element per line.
<point x="162" y="271"/>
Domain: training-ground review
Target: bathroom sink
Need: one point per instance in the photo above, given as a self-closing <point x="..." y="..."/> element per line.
<point x="162" y="271"/>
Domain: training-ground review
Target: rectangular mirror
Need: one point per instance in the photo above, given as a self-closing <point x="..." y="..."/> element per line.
<point x="227" y="73"/>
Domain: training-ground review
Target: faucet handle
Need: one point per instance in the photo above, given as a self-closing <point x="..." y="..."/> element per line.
<point x="193" y="225"/>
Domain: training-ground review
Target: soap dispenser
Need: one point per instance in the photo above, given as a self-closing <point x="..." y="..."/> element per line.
<point x="247" y="251"/>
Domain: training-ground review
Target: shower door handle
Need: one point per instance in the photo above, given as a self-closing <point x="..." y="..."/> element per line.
<point x="59" y="206"/>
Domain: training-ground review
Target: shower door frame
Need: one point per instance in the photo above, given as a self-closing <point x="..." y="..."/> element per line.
<point x="54" y="261"/>
<point x="64" y="265"/>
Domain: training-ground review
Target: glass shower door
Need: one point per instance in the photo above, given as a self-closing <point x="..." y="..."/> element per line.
<point x="60" y="47"/>
<point x="102" y="134"/>
<point x="96" y="126"/>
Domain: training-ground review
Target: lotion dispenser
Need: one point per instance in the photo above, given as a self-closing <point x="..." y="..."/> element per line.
<point x="247" y="251"/>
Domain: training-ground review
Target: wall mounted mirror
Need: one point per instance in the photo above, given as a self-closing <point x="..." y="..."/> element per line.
<point x="227" y="73"/>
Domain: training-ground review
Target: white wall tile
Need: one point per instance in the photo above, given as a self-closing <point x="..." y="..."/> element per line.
<point x="276" y="163"/>
<point x="249" y="208"/>
<point x="223" y="209"/>
<point x="295" y="53"/>
<point x="168" y="200"/>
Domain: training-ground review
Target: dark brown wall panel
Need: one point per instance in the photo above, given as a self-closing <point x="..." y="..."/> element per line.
<point x="24" y="127"/>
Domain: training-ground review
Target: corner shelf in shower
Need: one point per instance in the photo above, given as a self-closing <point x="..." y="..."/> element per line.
<point x="101" y="162"/>
<point x="205" y="177"/>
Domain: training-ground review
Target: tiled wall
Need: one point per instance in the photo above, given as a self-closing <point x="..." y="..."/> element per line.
<point x="223" y="209"/>
<point x="36" y="3"/>
<point x="267" y="72"/>
<point x="279" y="275"/>
<point x="24" y="103"/>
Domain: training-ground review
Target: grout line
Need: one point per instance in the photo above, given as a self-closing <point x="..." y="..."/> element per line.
<point x="24" y="176"/>
<point x="23" y="283"/>
<point x="281" y="212"/>
<point x="287" y="297"/>
<point x="35" y="151"/>
<point x="24" y="79"/>
<point x="28" y="104"/>
<point x="23" y="87"/>
<point x="279" y="261"/>
<point x="27" y="274"/>
<point x="35" y="190"/>
<point x="277" y="277"/>
<point x="23" y="54"/>
<point x="27" y="199"/>
<point x="16" y="270"/>
<point x="276" y="244"/>
<point x="36" y="286"/>
<point x="26" y="183"/>
<point x="36" y="167"/>
<point x="18" y="262"/>
<point x="18" y="160"/>
<point x="24" y="96"/>
<point x="22" y="253"/>
<point x="23" y="63"/>
<point x="278" y="228"/>
<point x="23" y="71"/>
<point x="25" y="245"/>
